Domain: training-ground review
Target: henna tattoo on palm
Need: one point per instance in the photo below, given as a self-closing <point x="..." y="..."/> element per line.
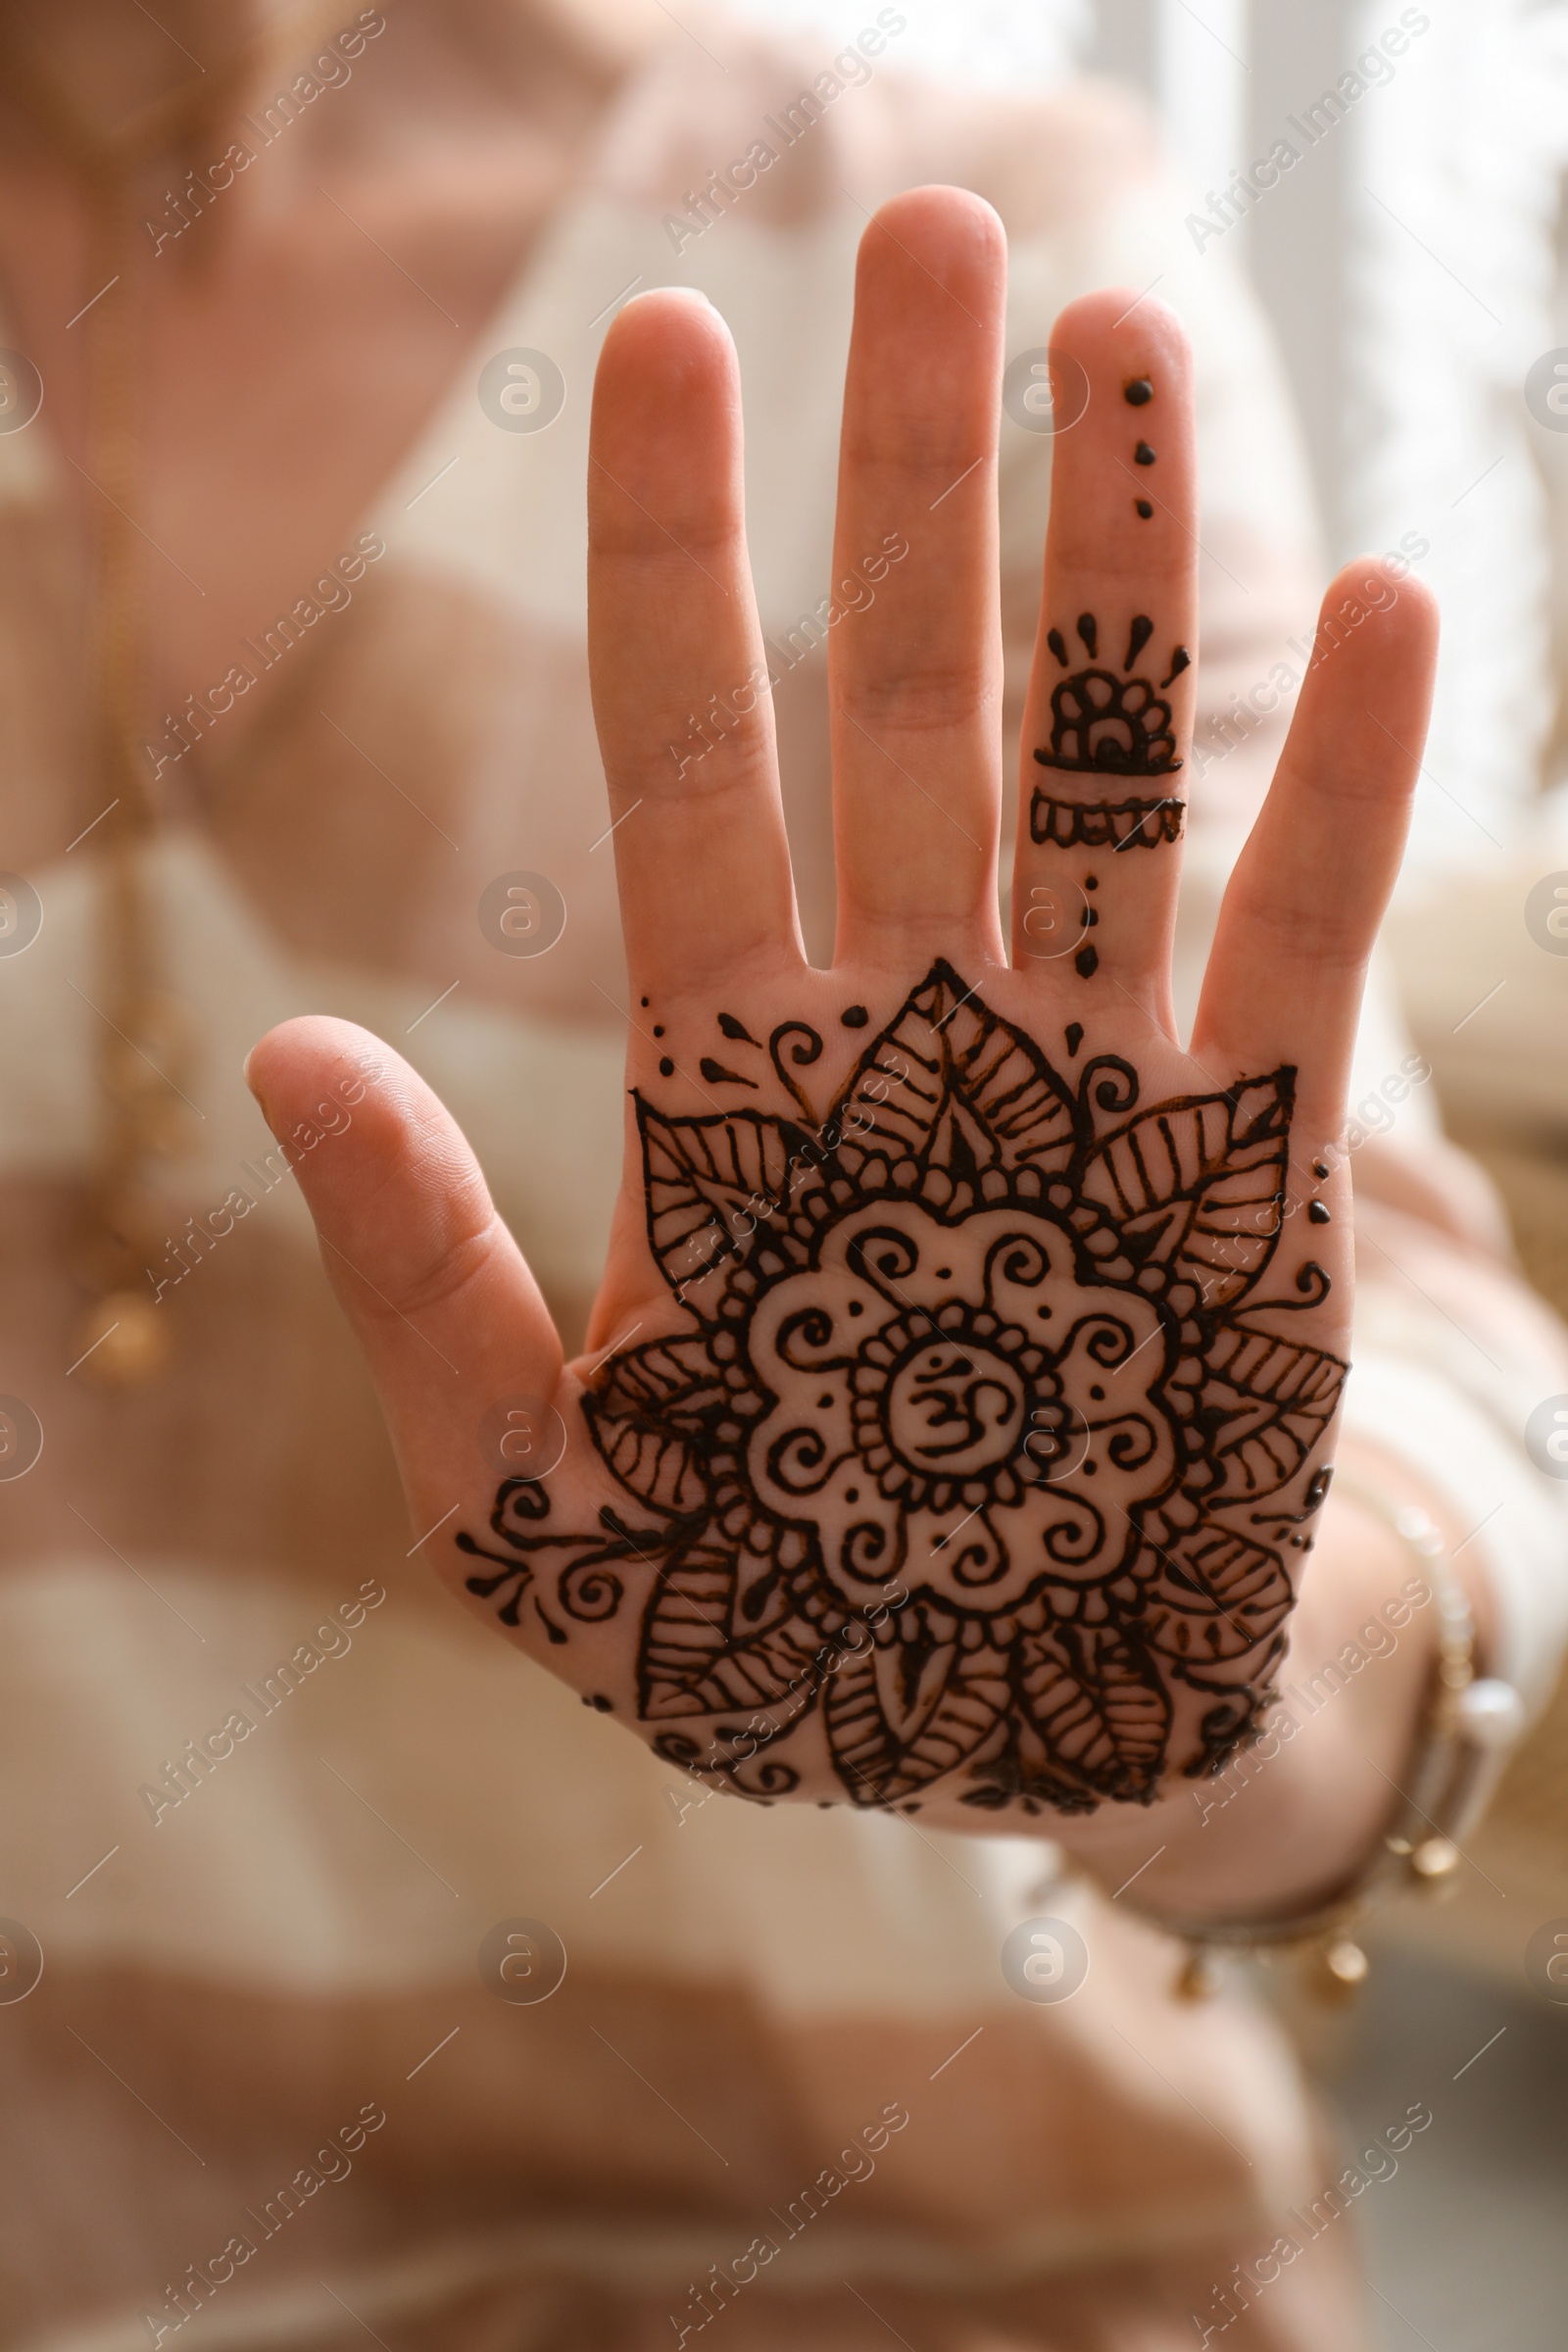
<point x="961" y="1444"/>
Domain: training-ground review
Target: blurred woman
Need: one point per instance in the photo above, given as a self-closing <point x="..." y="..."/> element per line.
<point x="300" y="317"/>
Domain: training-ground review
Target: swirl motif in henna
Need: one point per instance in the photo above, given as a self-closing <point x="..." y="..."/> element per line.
<point x="959" y="1447"/>
<point x="807" y="1049"/>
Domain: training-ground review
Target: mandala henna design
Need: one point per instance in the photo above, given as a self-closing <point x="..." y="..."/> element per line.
<point x="961" y="1447"/>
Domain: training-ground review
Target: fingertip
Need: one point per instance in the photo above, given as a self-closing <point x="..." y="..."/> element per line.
<point x="386" y="1172"/>
<point x="318" y="1075"/>
<point x="936" y="216"/>
<point x="1385" y="590"/>
<point x="1367" y="694"/>
<point x="298" y="1056"/>
<point x="937" y="254"/>
<point x="661" y="337"/>
<point x="426" y="1272"/>
<point x="664" y="435"/>
<point x="1116" y="320"/>
<point x="657" y="312"/>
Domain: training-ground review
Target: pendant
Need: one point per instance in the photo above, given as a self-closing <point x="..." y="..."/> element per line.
<point x="123" y="1341"/>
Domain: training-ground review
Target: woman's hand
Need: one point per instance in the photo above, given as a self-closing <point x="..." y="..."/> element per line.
<point x="962" y="1385"/>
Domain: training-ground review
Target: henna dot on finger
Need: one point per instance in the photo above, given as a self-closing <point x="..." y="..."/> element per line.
<point x="1138" y="393"/>
<point x="1318" y="1213"/>
<point x="1090" y="881"/>
<point x="1087" y="963"/>
<point x="1144" y="508"/>
<point x="1142" y="455"/>
<point x="855" y="1017"/>
<point x="666" y="1068"/>
<point x="1320" y="1169"/>
<point x="1075" y="1038"/>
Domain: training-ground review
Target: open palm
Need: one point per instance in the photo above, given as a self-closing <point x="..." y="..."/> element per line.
<point x="961" y="1389"/>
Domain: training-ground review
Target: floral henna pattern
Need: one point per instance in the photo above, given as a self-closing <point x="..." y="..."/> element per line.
<point x="961" y="1445"/>
<point x="1111" y="724"/>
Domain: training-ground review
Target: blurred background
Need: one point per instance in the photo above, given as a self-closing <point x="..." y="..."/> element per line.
<point x="1413" y="264"/>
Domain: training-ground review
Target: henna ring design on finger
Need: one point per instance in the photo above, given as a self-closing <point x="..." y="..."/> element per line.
<point x="1104" y="824"/>
<point x="1102" y="724"/>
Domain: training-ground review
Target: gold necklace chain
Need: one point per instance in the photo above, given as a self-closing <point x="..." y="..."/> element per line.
<point x="146" y="1044"/>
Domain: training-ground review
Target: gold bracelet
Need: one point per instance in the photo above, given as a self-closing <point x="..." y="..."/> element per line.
<point x="1469" y="1720"/>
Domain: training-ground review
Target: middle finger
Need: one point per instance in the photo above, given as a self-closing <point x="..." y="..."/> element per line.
<point x="915" y="665"/>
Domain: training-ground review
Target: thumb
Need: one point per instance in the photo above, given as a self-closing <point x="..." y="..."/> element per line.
<point x="452" y="1323"/>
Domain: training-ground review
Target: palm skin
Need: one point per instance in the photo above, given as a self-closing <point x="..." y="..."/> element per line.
<point x="959" y="1394"/>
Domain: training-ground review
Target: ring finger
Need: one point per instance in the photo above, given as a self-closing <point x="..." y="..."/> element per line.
<point x="1107" y="723"/>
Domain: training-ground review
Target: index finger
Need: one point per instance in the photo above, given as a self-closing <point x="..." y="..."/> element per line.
<point x="681" y="681"/>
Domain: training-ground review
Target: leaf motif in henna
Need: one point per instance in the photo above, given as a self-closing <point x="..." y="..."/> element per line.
<point x="953" y="1088"/>
<point x="1199" y="1186"/>
<point x="650" y="1415"/>
<point x="1267" y="1405"/>
<point x="887" y="1741"/>
<point x="713" y="1186"/>
<point x="1098" y="1708"/>
<point x="1214" y="1594"/>
<point x="698" y="1656"/>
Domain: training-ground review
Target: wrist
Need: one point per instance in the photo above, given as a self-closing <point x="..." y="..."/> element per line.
<point x="1296" y="1812"/>
<point x="1465" y="1724"/>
